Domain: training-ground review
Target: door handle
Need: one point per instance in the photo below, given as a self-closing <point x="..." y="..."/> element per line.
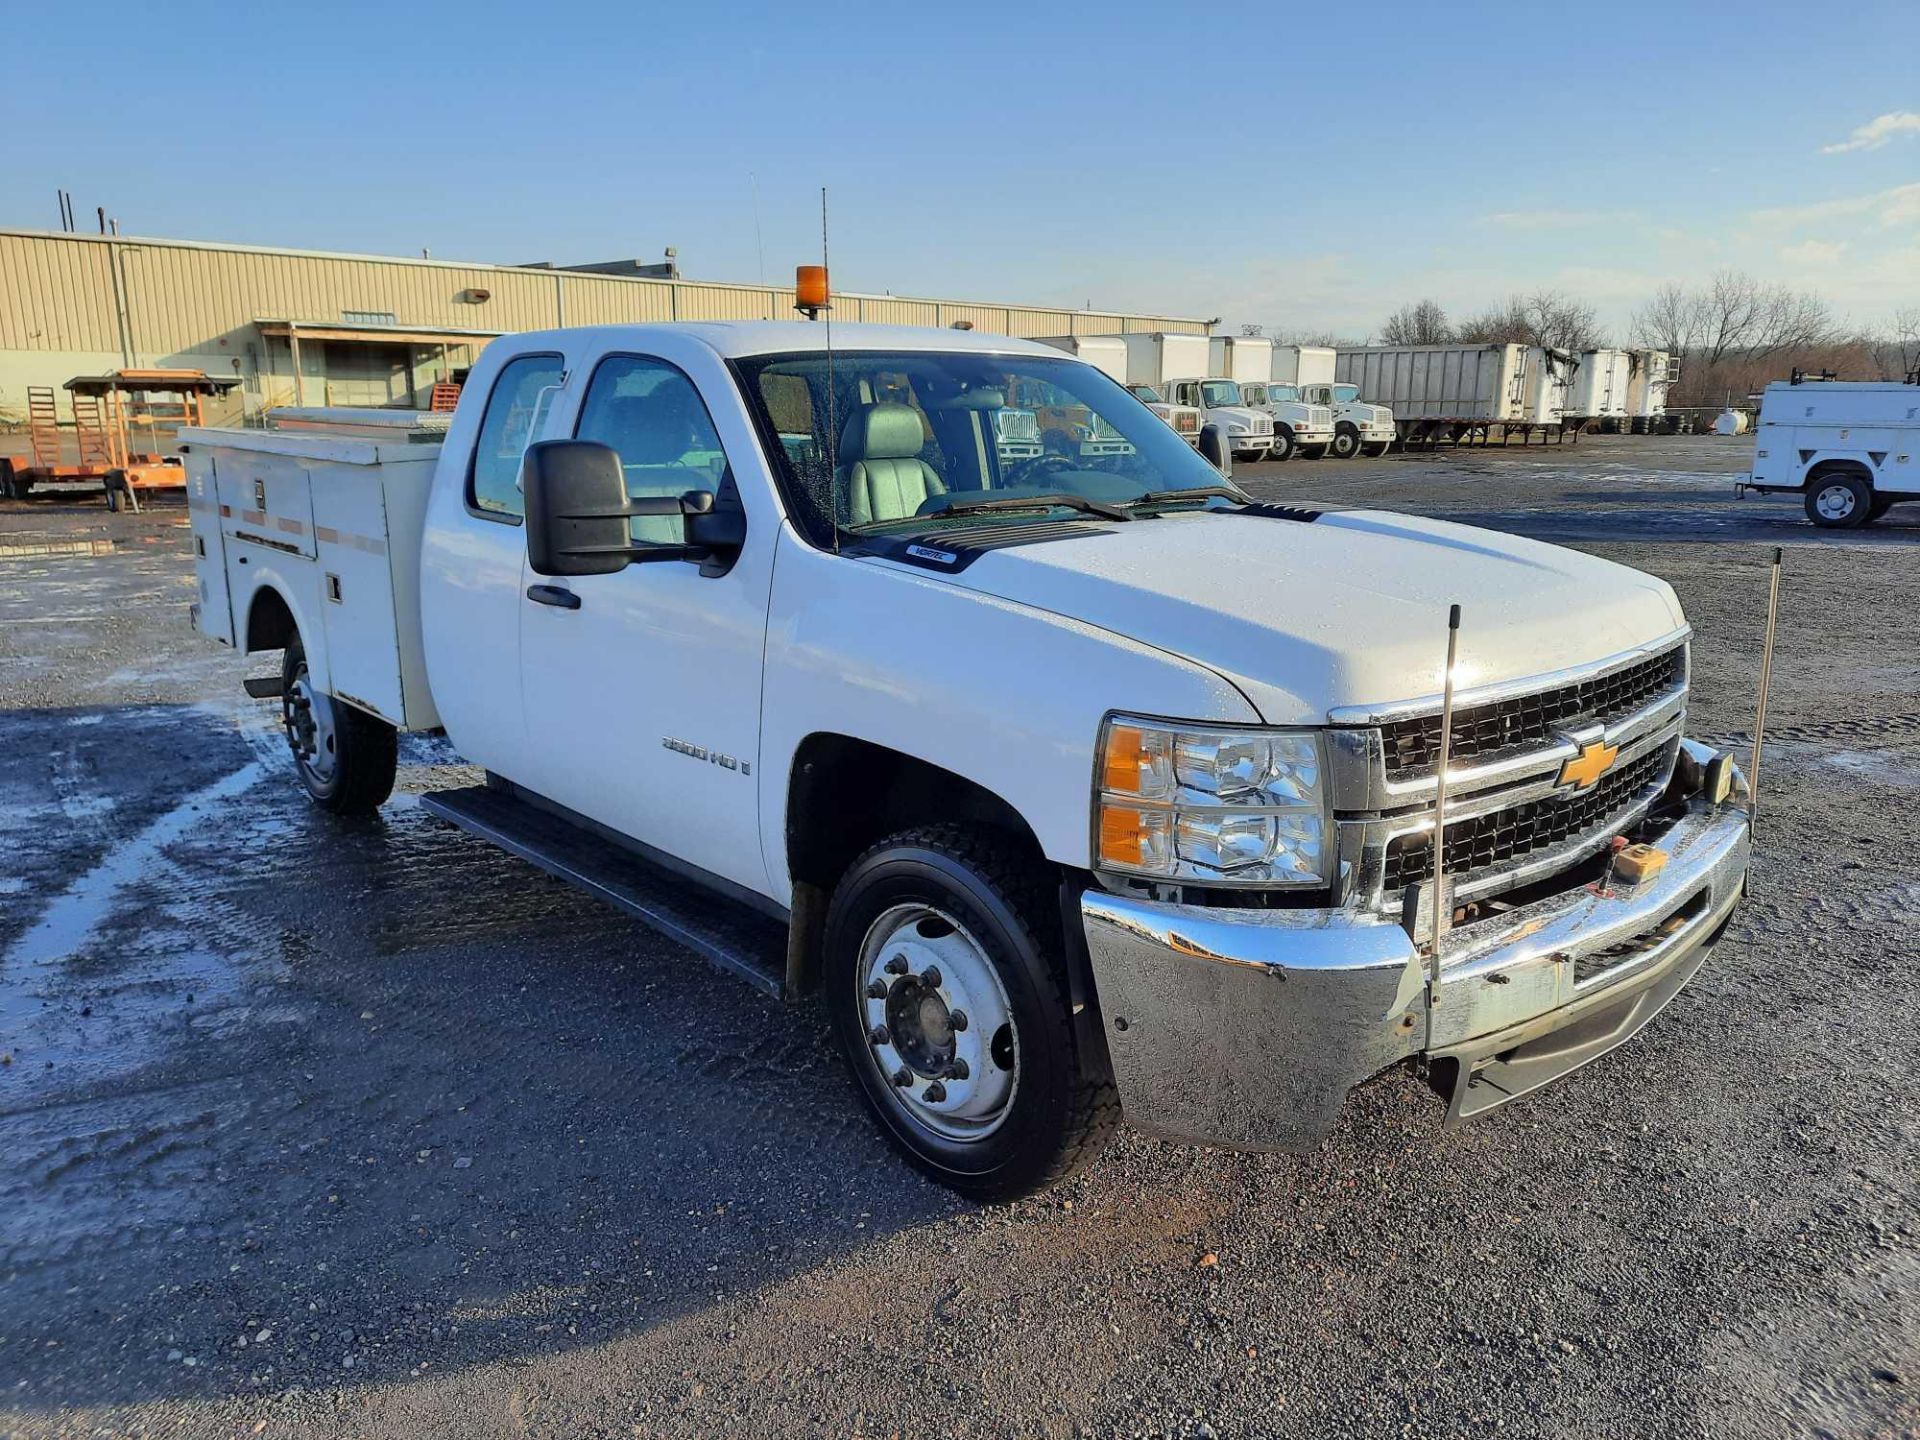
<point x="553" y="595"/>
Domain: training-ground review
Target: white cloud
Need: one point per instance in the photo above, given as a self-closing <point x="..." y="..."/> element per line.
<point x="1552" y="219"/>
<point x="1886" y="208"/>
<point x="1814" y="252"/>
<point x="1876" y="132"/>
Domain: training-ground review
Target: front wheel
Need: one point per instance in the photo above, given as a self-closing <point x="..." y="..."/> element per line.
<point x="346" y="758"/>
<point x="945" y="980"/>
<point x="1839" y="502"/>
<point x="1346" y="443"/>
<point x="1283" y="446"/>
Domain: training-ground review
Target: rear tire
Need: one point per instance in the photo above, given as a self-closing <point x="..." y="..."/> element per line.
<point x="346" y="759"/>
<point x="1839" y="500"/>
<point x="1881" y="505"/>
<point x="944" y="967"/>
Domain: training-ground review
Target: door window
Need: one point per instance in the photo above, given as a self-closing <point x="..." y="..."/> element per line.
<point x="650" y="412"/>
<point x="520" y="397"/>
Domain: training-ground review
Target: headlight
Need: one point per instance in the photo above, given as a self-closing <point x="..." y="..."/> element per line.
<point x="1238" y="427"/>
<point x="1237" y="807"/>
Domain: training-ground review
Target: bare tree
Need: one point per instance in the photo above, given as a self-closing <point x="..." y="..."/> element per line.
<point x="1736" y="333"/>
<point x="1895" y="352"/>
<point x="1546" y="317"/>
<point x="1421" y="323"/>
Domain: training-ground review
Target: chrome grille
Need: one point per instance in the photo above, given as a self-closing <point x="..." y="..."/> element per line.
<point x="1511" y="835"/>
<point x="1485" y="730"/>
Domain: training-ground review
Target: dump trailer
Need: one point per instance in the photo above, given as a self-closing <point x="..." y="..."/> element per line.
<point x="1601" y="387"/>
<point x="1457" y="393"/>
<point x="1652" y="373"/>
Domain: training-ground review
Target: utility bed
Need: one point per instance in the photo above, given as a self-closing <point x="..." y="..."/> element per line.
<point x="330" y="504"/>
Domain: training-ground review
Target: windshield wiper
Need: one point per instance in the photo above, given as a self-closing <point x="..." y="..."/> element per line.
<point x="1200" y="492"/>
<point x="1064" y="499"/>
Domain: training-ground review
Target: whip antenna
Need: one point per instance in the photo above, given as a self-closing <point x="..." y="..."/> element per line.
<point x="1442" y="911"/>
<point x="1766" y="684"/>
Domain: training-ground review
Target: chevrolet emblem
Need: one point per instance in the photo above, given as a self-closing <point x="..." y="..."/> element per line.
<point x="1584" y="770"/>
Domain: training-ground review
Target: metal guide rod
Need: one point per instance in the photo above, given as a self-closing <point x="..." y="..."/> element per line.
<point x="1441" y="910"/>
<point x="1766" y="684"/>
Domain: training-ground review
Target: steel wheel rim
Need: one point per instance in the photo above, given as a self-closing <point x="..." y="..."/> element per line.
<point x="1835" y="502"/>
<point x="961" y="1075"/>
<point x="310" y="728"/>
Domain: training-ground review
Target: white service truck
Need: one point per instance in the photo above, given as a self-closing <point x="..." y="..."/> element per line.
<point x="1071" y="789"/>
<point x="1178" y="367"/>
<point x="1851" y="449"/>
<point x="1358" y="427"/>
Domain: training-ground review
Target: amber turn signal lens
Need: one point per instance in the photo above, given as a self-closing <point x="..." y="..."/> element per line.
<point x="810" y="287"/>
<point x="1125" y="835"/>
<point x="1125" y="760"/>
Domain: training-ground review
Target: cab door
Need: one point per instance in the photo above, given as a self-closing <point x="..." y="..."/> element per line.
<point x="641" y="689"/>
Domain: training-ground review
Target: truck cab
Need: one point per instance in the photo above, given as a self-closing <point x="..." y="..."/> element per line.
<point x="1073" y="787"/>
<point x="1299" y="427"/>
<point x="1358" y="428"/>
<point x="1850" y="449"/>
<point x="1249" y="430"/>
<point x="1186" y="420"/>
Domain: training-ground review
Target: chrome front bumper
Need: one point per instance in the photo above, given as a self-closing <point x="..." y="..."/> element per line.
<point x="1247" y="1028"/>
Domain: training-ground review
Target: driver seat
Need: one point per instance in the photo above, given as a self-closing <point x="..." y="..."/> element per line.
<point x="881" y="471"/>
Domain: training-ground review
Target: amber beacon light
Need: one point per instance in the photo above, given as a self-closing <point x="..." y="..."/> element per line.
<point x="811" y="295"/>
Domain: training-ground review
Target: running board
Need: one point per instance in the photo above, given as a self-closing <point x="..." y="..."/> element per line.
<point x="725" y="932"/>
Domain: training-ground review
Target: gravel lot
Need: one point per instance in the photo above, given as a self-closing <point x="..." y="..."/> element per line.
<point x="321" y="1130"/>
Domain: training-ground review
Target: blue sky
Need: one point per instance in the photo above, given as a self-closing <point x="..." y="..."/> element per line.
<point x="1303" y="167"/>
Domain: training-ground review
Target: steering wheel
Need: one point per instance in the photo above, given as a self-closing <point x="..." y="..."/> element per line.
<point x="1028" y="471"/>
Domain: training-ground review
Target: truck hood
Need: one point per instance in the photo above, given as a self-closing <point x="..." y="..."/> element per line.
<point x="1348" y="610"/>
<point x="1240" y="414"/>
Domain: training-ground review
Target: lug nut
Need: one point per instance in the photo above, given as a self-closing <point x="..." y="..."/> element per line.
<point x="878" y="1035"/>
<point x="876" y="989"/>
<point x="958" y="1019"/>
<point x="930" y="977"/>
<point x="934" y="1093"/>
<point x="897" y="965"/>
<point x="959" y="1070"/>
<point x="903" y="1077"/>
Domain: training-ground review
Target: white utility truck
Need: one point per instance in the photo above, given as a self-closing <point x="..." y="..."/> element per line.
<point x="1071" y="787"/>
<point x="1178" y="367"/>
<point x="1358" y="427"/>
<point x="1298" y="428"/>
<point x="1850" y="448"/>
<point x="1108" y="354"/>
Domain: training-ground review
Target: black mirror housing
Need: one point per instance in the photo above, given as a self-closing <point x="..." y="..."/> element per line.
<point x="1214" y="447"/>
<point x="576" y="497"/>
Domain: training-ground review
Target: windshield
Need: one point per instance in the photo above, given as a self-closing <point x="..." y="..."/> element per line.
<point x="1146" y="394"/>
<point x="1219" y="392"/>
<point x="1284" y="394"/>
<point x="890" y="440"/>
<point x="1345" y="394"/>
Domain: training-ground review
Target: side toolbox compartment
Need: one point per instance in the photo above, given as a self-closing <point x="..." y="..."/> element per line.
<point x="213" y="609"/>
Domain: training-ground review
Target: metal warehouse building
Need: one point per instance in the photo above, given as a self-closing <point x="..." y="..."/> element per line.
<point x="303" y="327"/>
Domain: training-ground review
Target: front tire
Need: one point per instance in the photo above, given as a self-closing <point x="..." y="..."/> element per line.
<point x="945" y="979"/>
<point x="1283" y="446"/>
<point x="345" y="758"/>
<point x="1839" y="501"/>
<point x="1346" y="443"/>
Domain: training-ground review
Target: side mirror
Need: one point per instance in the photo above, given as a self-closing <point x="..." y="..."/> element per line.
<point x="1213" y="445"/>
<point x="578" y="509"/>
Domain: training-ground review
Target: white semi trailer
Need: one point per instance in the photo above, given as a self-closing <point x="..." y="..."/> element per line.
<point x="1458" y="392"/>
<point x="1652" y="374"/>
<point x="1601" y="387"/>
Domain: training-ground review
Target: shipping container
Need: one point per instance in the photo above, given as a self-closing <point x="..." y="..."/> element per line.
<point x="1440" y="382"/>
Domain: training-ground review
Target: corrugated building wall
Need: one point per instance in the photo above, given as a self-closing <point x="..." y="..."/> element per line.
<point x="388" y="327"/>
